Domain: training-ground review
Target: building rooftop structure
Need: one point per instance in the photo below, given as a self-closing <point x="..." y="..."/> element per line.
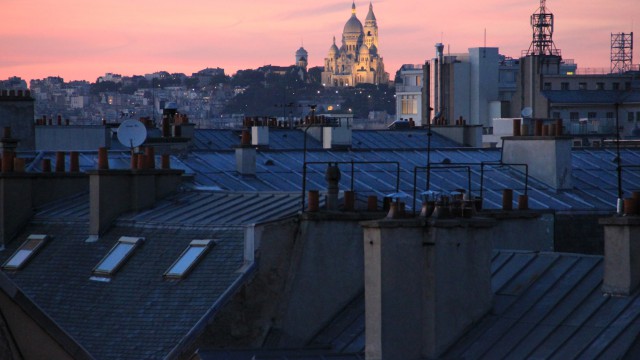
<point x="546" y="305"/>
<point x="117" y="315"/>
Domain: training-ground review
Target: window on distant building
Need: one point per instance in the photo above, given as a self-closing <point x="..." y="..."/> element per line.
<point x="599" y="86"/>
<point x="409" y="105"/>
<point x="25" y="252"/>
<point x="189" y="257"/>
<point x="630" y="116"/>
<point x="546" y="86"/>
<point x="615" y="86"/>
<point x="556" y="115"/>
<point x="592" y="115"/>
<point x="564" y="86"/>
<point x="627" y="86"/>
<point x="117" y="256"/>
<point x="582" y="86"/>
<point x="610" y="115"/>
<point x="574" y="115"/>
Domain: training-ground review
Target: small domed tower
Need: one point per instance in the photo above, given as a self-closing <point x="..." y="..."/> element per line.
<point x="302" y="58"/>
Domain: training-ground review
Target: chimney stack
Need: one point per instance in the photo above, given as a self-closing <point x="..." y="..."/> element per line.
<point x="260" y="135"/>
<point x="246" y="156"/>
<point x="337" y="137"/>
<point x="548" y="157"/>
<point x="113" y="192"/>
<point x="621" y="254"/>
<point x="332" y="175"/>
<point x="426" y="283"/>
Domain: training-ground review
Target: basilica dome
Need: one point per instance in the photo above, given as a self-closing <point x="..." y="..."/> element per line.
<point x="353" y="25"/>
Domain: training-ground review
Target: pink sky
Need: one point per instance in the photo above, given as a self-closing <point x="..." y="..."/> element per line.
<point x="80" y="39"/>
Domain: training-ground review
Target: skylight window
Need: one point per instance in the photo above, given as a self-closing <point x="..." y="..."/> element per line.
<point x="25" y="252"/>
<point x="117" y="256"/>
<point x="187" y="260"/>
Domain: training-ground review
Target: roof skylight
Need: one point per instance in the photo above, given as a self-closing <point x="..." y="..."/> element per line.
<point x="25" y="252"/>
<point x="188" y="258"/>
<point x="117" y="256"/>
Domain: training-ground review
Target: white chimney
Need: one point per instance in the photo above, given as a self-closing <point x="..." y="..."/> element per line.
<point x="337" y="136"/>
<point x="260" y="135"/>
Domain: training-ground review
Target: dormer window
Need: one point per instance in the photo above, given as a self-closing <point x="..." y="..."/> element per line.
<point x="189" y="257"/>
<point x="25" y="252"/>
<point x="117" y="256"/>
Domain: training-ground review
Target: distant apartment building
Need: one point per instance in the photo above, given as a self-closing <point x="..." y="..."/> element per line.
<point x="116" y="78"/>
<point x="587" y="104"/>
<point x="471" y="85"/>
<point x="78" y="101"/>
<point x="409" y="94"/>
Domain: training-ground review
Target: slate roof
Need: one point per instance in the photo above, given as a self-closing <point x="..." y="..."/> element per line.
<point x="594" y="174"/>
<point x="273" y="355"/>
<point x="291" y="139"/>
<point x="546" y="305"/>
<point x="138" y="314"/>
<point x="201" y="209"/>
<point x="595" y="181"/>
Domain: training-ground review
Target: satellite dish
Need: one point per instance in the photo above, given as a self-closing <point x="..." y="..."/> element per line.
<point x="526" y="112"/>
<point x="132" y="133"/>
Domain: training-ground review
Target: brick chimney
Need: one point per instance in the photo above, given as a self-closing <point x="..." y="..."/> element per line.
<point x="113" y="192"/>
<point x="21" y="192"/>
<point x="426" y="283"/>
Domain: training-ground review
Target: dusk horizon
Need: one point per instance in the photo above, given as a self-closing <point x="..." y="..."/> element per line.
<point x="77" y="42"/>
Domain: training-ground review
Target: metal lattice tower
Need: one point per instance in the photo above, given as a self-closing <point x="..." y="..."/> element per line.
<point x="542" y="24"/>
<point x="621" y="52"/>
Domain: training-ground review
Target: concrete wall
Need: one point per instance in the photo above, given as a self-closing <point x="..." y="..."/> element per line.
<point x="251" y="316"/>
<point x="328" y="273"/>
<point x="15" y="207"/>
<point x="17" y="112"/>
<point x="579" y="233"/>
<point x="21" y="193"/>
<point x="508" y="234"/>
<point x="463" y="135"/>
<point x="72" y="138"/>
<point x="484" y="85"/>
<point x="460" y="93"/>
<point x="549" y="158"/>
<point x="425" y="284"/>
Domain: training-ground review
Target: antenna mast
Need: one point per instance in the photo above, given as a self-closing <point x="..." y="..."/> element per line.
<point x="542" y="25"/>
<point x="621" y="52"/>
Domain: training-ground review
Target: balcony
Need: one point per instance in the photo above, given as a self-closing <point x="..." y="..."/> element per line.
<point x="408" y="89"/>
<point x="592" y="126"/>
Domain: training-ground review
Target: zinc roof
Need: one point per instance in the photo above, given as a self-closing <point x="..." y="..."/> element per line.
<point x="546" y="305"/>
